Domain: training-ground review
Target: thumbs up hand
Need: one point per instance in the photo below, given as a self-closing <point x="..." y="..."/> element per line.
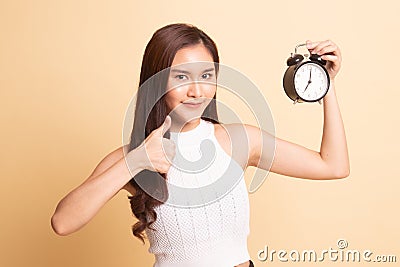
<point x="159" y="151"/>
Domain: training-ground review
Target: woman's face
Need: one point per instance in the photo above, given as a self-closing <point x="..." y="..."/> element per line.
<point x="191" y="84"/>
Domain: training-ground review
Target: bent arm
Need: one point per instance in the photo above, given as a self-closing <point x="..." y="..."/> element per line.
<point x="79" y="206"/>
<point x="331" y="162"/>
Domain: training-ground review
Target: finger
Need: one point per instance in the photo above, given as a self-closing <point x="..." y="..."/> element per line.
<point x="311" y="45"/>
<point x="332" y="58"/>
<point x="170" y="152"/>
<point x="169" y="149"/>
<point x="165" y="126"/>
<point x="334" y="61"/>
<point x="330" y="49"/>
<point x="168" y="144"/>
<point x="322" y="45"/>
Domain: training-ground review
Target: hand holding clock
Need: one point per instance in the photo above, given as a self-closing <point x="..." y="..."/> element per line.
<point x="328" y="51"/>
<point x="332" y="159"/>
<point x="308" y="78"/>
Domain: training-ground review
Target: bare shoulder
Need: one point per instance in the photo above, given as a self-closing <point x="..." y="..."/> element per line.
<point x="109" y="160"/>
<point x="242" y="136"/>
<point x="227" y="131"/>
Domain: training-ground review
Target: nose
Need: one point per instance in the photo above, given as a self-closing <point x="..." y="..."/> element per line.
<point x="195" y="89"/>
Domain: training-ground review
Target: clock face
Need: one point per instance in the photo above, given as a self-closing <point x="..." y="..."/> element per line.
<point x="311" y="81"/>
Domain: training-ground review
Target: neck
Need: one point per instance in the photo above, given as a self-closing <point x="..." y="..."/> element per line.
<point x="182" y="126"/>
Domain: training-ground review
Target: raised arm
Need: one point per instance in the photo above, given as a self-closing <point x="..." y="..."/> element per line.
<point x="332" y="161"/>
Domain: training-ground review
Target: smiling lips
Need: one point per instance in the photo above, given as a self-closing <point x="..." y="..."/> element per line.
<point x="193" y="104"/>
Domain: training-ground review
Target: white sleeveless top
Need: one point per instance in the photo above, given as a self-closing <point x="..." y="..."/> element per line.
<point x="208" y="234"/>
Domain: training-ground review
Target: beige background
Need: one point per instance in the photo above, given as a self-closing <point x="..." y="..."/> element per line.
<point x="69" y="68"/>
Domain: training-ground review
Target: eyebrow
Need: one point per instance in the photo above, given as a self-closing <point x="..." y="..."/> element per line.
<point x="187" y="72"/>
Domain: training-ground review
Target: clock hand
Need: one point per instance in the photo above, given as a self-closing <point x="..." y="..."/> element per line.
<point x="309" y="81"/>
<point x="307" y="86"/>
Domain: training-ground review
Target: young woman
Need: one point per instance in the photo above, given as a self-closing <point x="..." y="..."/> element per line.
<point x="181" y="114"/>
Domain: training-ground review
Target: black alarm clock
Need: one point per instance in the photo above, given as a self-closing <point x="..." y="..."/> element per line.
<point x="306" y="78"/>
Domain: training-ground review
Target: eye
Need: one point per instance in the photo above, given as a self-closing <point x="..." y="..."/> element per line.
<point x="181" y="77"/>
<point x="206" y="76"/>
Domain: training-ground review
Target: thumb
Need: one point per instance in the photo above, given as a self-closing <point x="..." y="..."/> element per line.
<point x="310" y="45"/>
<point x="165" y="126"/>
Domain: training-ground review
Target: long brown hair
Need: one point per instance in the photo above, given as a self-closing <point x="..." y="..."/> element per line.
<point x="158" y="56"/>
